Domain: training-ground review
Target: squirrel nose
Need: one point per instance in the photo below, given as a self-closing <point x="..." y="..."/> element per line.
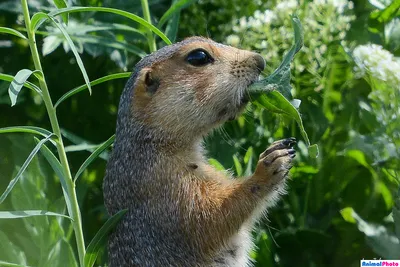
<point x="260" y="62"/>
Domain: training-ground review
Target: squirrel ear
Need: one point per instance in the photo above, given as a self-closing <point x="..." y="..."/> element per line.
<point x="151" y="83"/>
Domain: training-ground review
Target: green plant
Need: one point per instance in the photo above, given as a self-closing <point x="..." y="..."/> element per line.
<point x="60" y="165"/>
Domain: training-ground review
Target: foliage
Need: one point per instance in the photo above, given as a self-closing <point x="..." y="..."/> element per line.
<point x="340" y="206"/>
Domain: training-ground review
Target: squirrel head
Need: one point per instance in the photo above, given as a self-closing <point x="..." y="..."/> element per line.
<point x="190" y="87"/>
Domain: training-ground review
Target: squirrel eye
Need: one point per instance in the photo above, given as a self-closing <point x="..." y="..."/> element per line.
<point x="199" y="58"/>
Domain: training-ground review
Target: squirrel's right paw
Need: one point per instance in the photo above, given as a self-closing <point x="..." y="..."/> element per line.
<point x="276" y="161"/>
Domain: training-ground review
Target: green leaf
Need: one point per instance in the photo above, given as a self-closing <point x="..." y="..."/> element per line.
<point x="313" y="151"/>
<point x="238" y="166"/>
<point x="378" y="238"/>
<point x="171" y="30"/>
<point x="273" y="92"/>
<point x="17" y="83"/>
<point x="40" y="16"/>
<point x="347" y="214"/>
<point x="13" y="32"/>
<point x="26" y="129"/>
<point x="10" y="78"/>
<point x="37" y="20"/>
<point x="110" y="43"/>
<point x="56" y="166"/>
<point x="28" y="213"/>
<point x="248" y="160"/>
<point x="22" y="169"/>
<point x="379" y="18"/>
<point x="61" y="4"/>
<point x="216" y="164"/>
<point x="50" y="43"/>
<point x="277" y="103"/>
<point x="94" y="155"/>
<point x="93" y="83"/>
<point x="100" y="238"/>
<point x="396" y="214"/>
<point x="176" y="7"/>
<point x="115" y="11"/>
<point x="9" y="251"/>
<point x="81" y="144"/>
<point x="389" y="12"/>
<point x="9" y="264"/>
<point x="60" y="254"/>
<point x="280" y="78"/>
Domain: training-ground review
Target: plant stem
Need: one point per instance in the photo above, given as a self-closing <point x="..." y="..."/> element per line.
<point x="146" y="15"/>
<point x="73" y="210"/>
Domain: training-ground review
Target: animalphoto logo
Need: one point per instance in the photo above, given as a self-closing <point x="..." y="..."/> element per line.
<point x="380" y="263"/>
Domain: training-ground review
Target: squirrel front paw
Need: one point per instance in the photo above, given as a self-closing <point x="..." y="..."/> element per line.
<point x="276" y="161"/>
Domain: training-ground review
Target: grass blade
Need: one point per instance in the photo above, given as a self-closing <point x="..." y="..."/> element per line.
<point x="29" y="85"/>
<point x="114" y="11"/>
<point x="94" y="155"/>
<point x="175" y="8"/>
<point x="29" y="213"/>
<point x="13" y="32"/>
<point x="100" y="238"/>
<point x="22" y="169"/>
<point x="17" y="83"/>
<point x="93" y="83"/>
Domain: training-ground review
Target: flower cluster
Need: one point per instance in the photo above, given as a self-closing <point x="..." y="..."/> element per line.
<point x="377" y="62"/>
<point x="270" y="32"/>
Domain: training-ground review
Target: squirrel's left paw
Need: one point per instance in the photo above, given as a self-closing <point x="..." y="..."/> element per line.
<point x="275" y="161"/>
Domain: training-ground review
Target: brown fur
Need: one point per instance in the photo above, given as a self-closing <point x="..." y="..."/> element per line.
<point x="181" y="210"/>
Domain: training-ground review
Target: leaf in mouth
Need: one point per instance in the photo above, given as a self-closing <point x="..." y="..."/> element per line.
<point x="274" y="92"/>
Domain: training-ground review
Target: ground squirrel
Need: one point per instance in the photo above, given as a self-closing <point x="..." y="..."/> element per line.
<point x="181" y="210"/>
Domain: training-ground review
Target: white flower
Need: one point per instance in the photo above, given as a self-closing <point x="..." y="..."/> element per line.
<point x="286" y="6"/>
<point x="378" y="62"/>
<point x="269" y="16"/>
<point x="233" y="40"/>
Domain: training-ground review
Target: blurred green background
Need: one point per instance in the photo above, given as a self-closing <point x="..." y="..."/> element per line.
<point x="338" y="209"/>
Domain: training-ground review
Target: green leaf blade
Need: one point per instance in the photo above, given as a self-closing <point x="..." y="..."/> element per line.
<point x="12" y="32"/>
<point x="29" y="85"/>
<point x="274" y="92"/>
<point x="176" y="7"/>
<point x="93" y="83"/>
<point x="26" y="129"/>
<point x="93" y="156"/>
<point x="56" y="166"/>
<point x="17" y="83"/>
<point x="23" y="168"/>
<point x="74" y="51"/>
<point x="100" y="238"/>
<point x="62" y="4"/>
<point x="29" y="213"/>
<point x="9" y="264"/>
<point x="114" y="11"/>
